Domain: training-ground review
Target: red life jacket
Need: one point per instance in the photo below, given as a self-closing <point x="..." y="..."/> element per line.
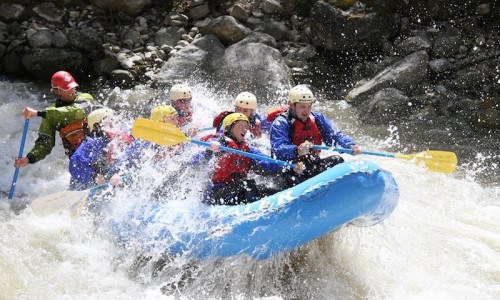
<point x="230" y="167"/>
<point x="275" y="111"/>
<point x="304" y="131"/>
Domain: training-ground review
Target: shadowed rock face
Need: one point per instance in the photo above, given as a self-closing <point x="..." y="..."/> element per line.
<point x="132" y="7"/>
<point x="356" y="51"/>
<point x="337" y="30"/>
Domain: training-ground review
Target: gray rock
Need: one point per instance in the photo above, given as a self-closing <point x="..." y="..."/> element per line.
<point x="386" y="106"/>
<point x="41" y="39"/>
<point x="10" y="12"/>
<point x="42" y="63"/>
<point x="405" y="75"/>
<point x="169" y="36"/>
<point x="59" y="39"/>
<point x="176" y="19"/>
<point x="197" y="60"/>
<point x="276" y="29"/>
<point x="414" y="44"/>
<point x="227" y="29"/>
<point x="239" y="13"/>
<point x="133" y="35"/>
<point x="271" y="7"/>
<point x="259" y="37"/>
<point x="48" y="11"/>
<point x="85" y="39"/>
<point x="122" y="77"/>
<point x="198" y="12"/>
<point x="255" y="67"/>
<point x="106" y="65"/>
<point x="440" y="65"/>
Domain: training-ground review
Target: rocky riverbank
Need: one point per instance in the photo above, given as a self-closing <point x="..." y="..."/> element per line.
<point x="409" y="62"/>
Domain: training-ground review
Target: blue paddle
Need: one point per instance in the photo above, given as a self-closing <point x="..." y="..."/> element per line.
<point x="21" y="150"/>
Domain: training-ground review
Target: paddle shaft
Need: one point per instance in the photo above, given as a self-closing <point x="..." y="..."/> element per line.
<point x="248" y="154"/>
<point x="21" y="150"/>
<point x="205" y="129"/>
<point x="345" y="150"/>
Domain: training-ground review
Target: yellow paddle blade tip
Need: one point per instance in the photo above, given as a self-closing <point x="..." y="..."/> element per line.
<point x="436" y="161"/>
<point x="158" y="132"/>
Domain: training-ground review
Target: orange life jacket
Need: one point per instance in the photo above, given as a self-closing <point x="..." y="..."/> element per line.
<point x="72" y="135"/>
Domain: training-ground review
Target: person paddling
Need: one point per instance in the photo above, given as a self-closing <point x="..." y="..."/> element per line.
<point x="134" y="155"/>
<point x="230" y="184"/>
<point x="91" y="163"/>
<point x="245" y="103"/>
<point x="295" y="131"/>
<point x="66" y="116"/>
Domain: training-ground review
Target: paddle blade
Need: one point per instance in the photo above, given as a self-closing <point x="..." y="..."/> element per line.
<point x="61" y="201"/>
<point x="437" y="161"/>
<point x="158" y="132"/>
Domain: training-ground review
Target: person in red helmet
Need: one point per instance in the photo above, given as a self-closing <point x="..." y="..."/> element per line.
<point x="67" y="116"/>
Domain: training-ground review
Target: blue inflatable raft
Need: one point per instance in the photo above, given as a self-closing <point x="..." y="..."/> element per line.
<point x="356" y="192"/>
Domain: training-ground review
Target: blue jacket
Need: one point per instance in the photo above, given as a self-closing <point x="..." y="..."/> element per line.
<point x="83" y="163"/>
<point x="281" y="142"/>
<point x="132" y="157"/>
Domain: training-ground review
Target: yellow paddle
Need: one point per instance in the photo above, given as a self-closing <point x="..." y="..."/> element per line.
<point x="169" y="135"/>
<point x="436" y="161"/>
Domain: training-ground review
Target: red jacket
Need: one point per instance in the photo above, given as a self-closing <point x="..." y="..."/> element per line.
<point x="230" y="167"/>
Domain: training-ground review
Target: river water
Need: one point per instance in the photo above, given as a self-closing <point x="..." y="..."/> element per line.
<point x="441" y="242"/>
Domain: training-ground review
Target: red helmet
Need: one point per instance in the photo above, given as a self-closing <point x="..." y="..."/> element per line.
<point x="63" y="80"/>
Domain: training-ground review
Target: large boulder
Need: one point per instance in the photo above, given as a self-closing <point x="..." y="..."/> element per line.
<point x="198" y="59"/>
<point x="255" y="67"/>
<point x="405" y="75"/>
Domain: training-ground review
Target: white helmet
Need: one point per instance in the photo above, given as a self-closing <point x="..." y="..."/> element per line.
<point x="246" y="100"/>
<point x="300" y="94"/>
<point x="180" y="91"/>
<point x="97" y="116"/>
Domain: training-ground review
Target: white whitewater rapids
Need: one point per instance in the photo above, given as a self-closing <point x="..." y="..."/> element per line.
<point x="441" y="242"/>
